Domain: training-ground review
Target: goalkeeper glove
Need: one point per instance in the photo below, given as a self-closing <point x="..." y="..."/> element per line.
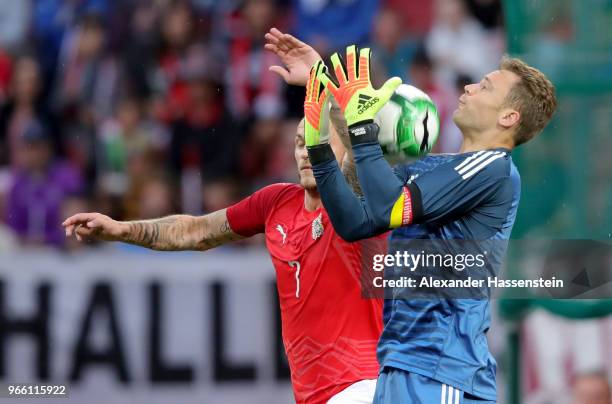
<point x="316" y="108"/>
<point x="357" y="99"/>
<point x="316" y="113"/>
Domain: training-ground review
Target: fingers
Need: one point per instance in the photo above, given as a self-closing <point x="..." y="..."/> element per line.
<point x="314" y="83"/>
<point x="274" y="41"/>
<point x="309" y="83"/>
<point x="79" y="218"/>
<point x="276" y="33"/>
<point x="275" y="49"/>
<point x="271" y="39"/>
<point x="327" y="82"/>
<point x="81" y="224"/>
<point x="273" y="36"/>
<point x="351" y="62"/>
<point x="282" y="45"/>
<point x="69" y="229"/>
<point x="281" y="71"/>
<point x="271" y="47"/>
<point x="320" y="71"/>
<point x="338" y="68"/>
<point x="364" y="62"/>
<point x="388" y="88"/>
<point x="291" y="42"/>
<point x="83" y="233"/>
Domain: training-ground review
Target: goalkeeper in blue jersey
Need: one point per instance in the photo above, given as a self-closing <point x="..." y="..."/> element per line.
<point x="431" y="350"/>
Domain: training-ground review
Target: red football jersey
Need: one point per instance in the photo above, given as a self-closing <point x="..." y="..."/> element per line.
<point x="330" y="332"/>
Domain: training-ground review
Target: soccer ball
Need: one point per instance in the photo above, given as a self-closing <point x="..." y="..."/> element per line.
<point x="409" y="123"/>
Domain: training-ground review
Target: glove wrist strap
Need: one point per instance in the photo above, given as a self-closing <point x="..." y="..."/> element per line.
<point x="363" y="133"/>
<point x="321" y="153"/>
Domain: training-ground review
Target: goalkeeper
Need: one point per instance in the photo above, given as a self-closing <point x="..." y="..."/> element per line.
<point x="432" y="351"/>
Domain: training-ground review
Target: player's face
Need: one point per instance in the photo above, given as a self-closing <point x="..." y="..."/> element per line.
<point x="482" y="105"/>
<point x="304" y="167"/>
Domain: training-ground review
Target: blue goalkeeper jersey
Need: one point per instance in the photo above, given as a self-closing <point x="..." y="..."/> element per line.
<point x="467" y="196"/>
<point x="470" y="196"/>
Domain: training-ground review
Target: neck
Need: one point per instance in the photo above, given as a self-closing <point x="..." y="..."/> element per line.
<point x="483" y="142"/>
<point x="312" y="200"/>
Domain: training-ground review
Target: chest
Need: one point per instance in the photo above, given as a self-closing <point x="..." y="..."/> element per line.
<point x="292" y="232"/>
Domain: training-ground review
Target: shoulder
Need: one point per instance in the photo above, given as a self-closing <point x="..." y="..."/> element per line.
<point x="483" y="164"/>
<point x="281" y="189"/>
<point x="422" y="165"/>
<point x="273" y="195"/>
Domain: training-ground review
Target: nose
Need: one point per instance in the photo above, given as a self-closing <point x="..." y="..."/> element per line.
<point x="304" y="154"/>
<point x="469" y="89"/>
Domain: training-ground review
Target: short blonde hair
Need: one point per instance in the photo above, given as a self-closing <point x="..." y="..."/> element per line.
<point x="533" y="96"/>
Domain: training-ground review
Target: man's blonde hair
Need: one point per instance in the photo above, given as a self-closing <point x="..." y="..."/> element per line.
<point x="533" y="96"/>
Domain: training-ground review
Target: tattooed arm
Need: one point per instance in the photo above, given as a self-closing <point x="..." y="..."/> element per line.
<point x="338" y="123"/>
<point x="171" y="233"/>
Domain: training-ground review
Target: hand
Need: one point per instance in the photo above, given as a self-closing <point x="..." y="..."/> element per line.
<point x="87" y="226"/>
<point x="316" y="108"/>
<point x="297" y="56"/>
<point x="357" y="99"/>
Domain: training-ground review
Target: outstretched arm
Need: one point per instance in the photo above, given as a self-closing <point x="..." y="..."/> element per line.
<point x="171" y="233"/>
<point x="298" y="57"/>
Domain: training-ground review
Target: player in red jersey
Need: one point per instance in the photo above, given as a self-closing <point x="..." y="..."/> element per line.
<point x="329" y="331"/>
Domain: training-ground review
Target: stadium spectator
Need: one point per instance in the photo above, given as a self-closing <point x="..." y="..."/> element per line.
<point x="38" y="189"/>
<point x="262" y="153"/>
<point x="204" y="136"/>
<point x="416" y="15"/>
<point x="329" y="25"/>
<point x="458" y="44"/>
<point x="252" y="89"/>
<point x="87" y="75"/>
<point x="51" y="22"/>
<point x="123" y="137"/>
<point x="14" y="21"/>
<point x="156" y="198"/>
<point x="6" y="65"/>
<point x="487" y="12"/>
<point x="85" y="90"/>
<point x="181" y="87"/>
<point x="394" y="50"/>
<point x="23" y="106"/>
<point x="177" y="34"/>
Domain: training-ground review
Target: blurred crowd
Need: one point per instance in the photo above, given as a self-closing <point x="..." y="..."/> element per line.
<point x="144" y="108"/>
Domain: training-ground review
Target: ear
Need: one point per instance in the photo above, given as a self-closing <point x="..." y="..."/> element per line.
<point x="508" y="118"/>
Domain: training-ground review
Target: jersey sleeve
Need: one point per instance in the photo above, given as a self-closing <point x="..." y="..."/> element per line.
<point x="403" y="172"/>
<point x="350" y="215"/>
<point x="248" y="217"/>
<point x="454" y="188"/>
